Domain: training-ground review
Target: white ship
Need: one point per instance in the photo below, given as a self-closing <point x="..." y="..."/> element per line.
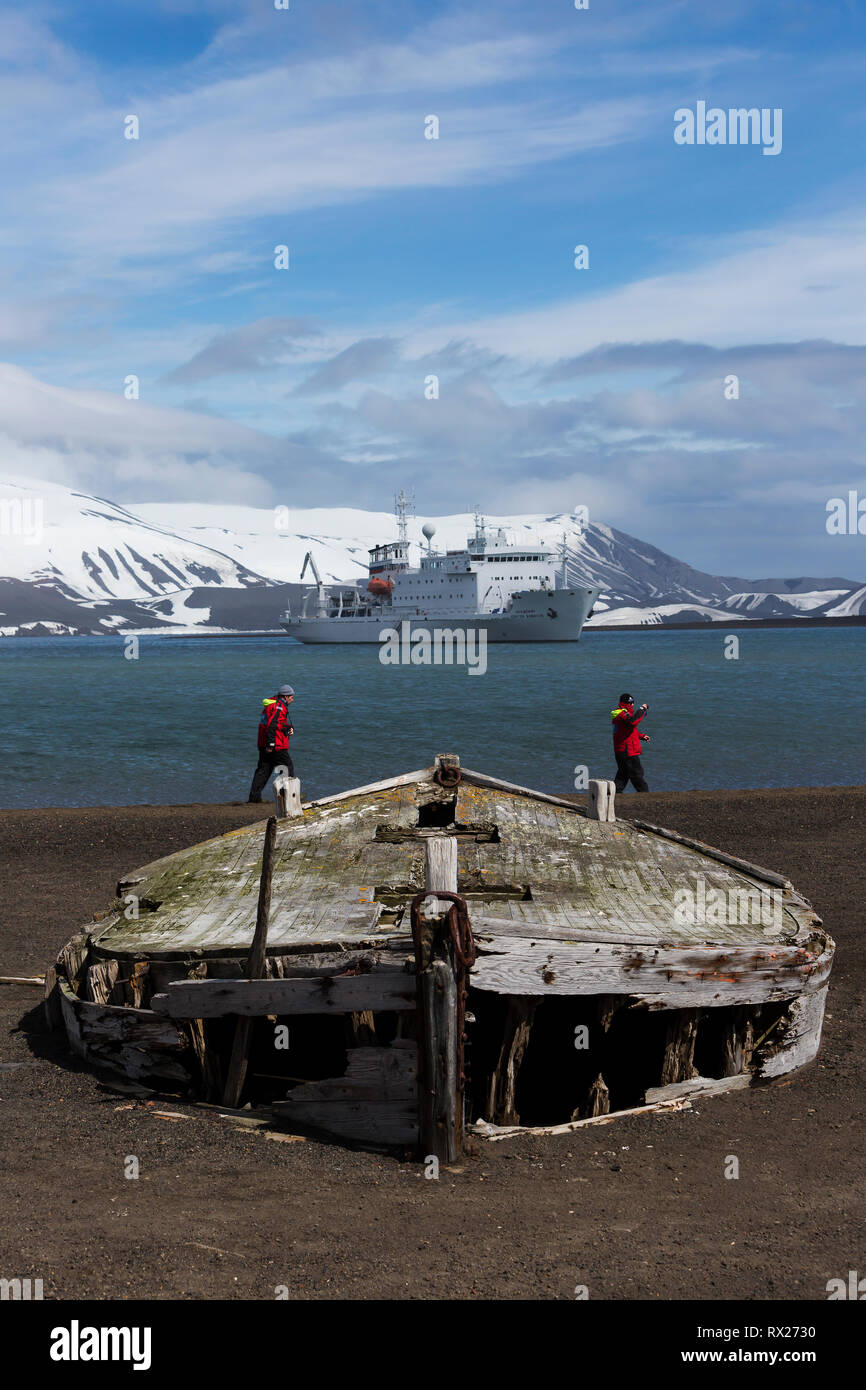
<point x="504" y="589"/>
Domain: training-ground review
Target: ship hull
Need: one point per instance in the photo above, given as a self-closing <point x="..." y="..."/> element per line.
<point x="534" y="616"/>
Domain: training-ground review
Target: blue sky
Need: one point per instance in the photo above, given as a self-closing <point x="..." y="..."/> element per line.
<point x="305" y="127"/>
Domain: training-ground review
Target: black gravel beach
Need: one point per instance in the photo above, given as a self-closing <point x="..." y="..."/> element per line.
<point x="638" y="1208"/>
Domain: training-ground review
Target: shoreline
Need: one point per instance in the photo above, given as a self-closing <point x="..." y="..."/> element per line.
<point x="854" y="620"/>
<point x="263" y="809"/>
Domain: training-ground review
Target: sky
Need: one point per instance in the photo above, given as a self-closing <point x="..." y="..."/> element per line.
<point x="148" y="265"/>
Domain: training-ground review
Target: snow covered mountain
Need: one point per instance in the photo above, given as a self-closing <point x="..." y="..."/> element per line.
<point x="72" y="562"/>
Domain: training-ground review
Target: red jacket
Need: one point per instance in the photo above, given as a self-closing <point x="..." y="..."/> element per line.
<point x="626" y="738"/>
<point x="275" y="727"/>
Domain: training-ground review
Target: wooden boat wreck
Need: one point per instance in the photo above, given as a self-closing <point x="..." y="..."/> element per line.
<point x="444" y="950"/>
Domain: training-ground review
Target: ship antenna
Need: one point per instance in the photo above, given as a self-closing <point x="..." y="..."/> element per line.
<point x="403" y="507"/>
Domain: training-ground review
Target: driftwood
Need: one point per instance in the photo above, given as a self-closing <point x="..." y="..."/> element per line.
<point x="697" y="1086"/>
<point x="495" y="1132"/>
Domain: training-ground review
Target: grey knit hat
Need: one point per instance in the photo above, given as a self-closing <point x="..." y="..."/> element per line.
<point x="285" y="690"/>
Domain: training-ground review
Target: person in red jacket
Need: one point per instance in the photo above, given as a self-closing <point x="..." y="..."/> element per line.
<point x="275" y="731"/>
<point x="626" y="744"/>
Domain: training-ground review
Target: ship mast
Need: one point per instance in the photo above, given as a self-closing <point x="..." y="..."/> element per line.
<point x="480" y="532"/>
<point x="403" y="508"/>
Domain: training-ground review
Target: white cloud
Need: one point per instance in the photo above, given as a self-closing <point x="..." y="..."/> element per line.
<point x="780" y="285"/>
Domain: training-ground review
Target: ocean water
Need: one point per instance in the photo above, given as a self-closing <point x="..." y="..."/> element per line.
<point x="82" y="725"/>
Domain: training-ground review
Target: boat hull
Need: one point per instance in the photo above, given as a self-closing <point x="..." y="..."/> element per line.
<point x="534" y="616"/>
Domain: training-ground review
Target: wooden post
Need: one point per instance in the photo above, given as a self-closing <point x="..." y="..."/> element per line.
<point x="601" y="800"/>
<point x="255" y="966"/>
<point x="501" y="1105"/>
<point x="287" y="794"/>
<point x="678" y="1064"/>
<point x="738" y="1043"/>
<point x="437" y="1006"/>
<point x="437" y="1016"/>
<point x="440" y="864"/>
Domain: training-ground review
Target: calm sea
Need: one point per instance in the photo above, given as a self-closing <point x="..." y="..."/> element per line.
<point x="82" y="725"/>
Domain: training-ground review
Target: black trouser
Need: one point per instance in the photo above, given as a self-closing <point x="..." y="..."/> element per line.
<point x="267" y="763"/>
<point x="629" y="769"/>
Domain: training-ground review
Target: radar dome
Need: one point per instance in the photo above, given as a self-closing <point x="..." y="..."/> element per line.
<point x="428" y="530"/>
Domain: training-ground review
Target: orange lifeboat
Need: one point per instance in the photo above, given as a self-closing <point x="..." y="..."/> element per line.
<point x="380" y="588"/>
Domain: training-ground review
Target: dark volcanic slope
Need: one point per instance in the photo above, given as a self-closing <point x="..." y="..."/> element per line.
<point x="638" y="1208"/>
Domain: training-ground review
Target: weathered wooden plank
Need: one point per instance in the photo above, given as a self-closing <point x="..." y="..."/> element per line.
<point x="380" y="989"/>
<point x="768" y="875"/>
<point x="496" y="1132"/>
<point x="73" y="958"/>
<point x="134" y="1042"/>
<point x="101" y="980"/>
<point x="662" y="977"/>
<point x="403" y="780"/>
<point x="440" y="863"/>
<point x="481" y="779"/>
<point x="310" y="965"/>
<point x="697" y="1085"/>
<point x="120" y="1023"/>
<point x="376" y="1099"/>
<point x="798" y="1037"/>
